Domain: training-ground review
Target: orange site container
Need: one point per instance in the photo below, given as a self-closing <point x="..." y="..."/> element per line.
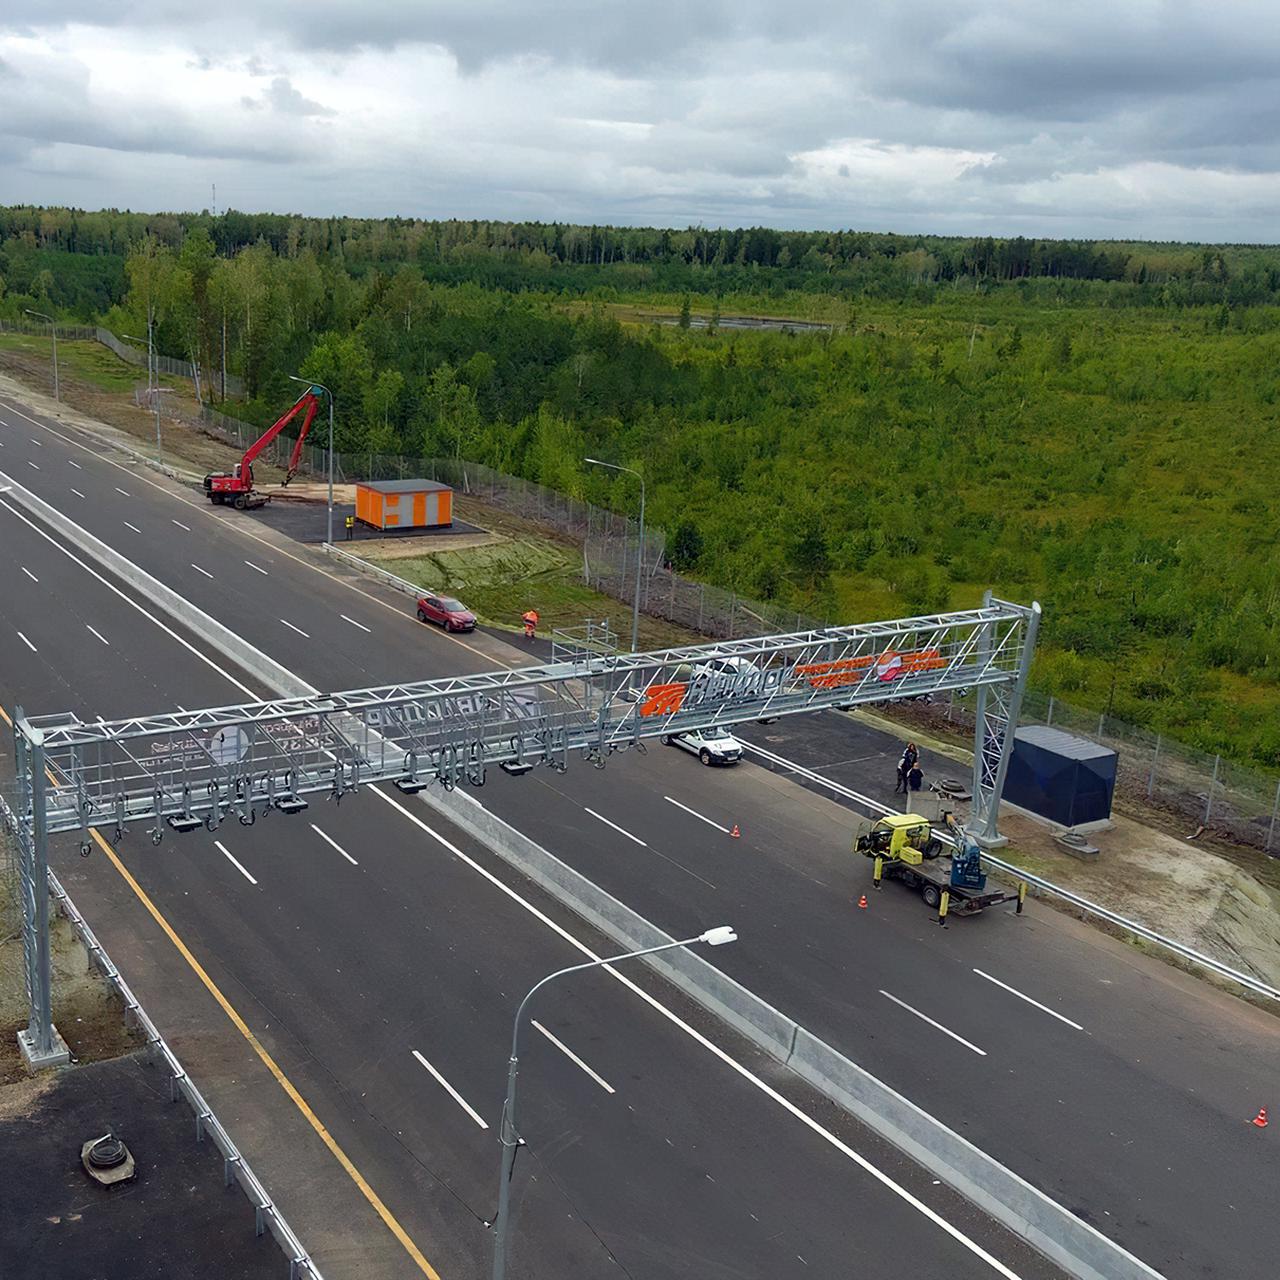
<point x="404" y="504"/>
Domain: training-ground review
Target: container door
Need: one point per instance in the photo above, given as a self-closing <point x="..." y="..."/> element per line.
<point x="419" y="508"/>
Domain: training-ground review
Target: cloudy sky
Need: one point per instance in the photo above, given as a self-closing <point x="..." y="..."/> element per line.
<point x="1125" y="118"/>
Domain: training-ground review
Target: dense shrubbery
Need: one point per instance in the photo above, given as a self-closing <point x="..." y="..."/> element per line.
<point x="1103" y="437"/>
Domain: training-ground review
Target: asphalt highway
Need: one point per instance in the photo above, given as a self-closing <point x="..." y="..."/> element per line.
<point x="379" y="962"/>
<point x="1117" y="1085"/>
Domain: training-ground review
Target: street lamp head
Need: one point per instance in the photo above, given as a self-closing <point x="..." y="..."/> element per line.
<point x="718" y="936"/>
<point x="596" y="462"/>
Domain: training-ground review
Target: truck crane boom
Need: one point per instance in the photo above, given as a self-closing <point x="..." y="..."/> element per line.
<point x="236" y="486"/>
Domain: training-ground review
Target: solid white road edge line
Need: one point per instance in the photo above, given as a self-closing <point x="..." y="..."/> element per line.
<point x="573" y="1057"/>
<point x="222" y="848"/>
<point x="924" y="1017"/>
<point x="732" y="1063"/>
<point x="27" y="643"/>
<point x="100" y="636"/>
<point x="291" y="627"/>
<point x="451" y="1091"/>
<point x="133" y="604"/>
<point x="329" y="840"/>
<point x="238" y="530"/>
<point x="776" y="1097"/>
<point x="617" y="828"/>
<point x="696" y="814"/>
<point x="354" y="623"/>
<point x="1053" y="1013"/>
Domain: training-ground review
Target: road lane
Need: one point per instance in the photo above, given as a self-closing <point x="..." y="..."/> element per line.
<point x="789" y="868"/>
<point x="285" y="946"/>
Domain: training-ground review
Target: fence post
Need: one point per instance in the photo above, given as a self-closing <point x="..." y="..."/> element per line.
<point x="1049" y="717"/>
<point x="1275" y="808"/>
<point x="702" y="599"/>
<point x="1213" y="782"/>
<point x="733" y="608"/>
<point x="1101" y="721"/>
<point x="1151" y="777"/>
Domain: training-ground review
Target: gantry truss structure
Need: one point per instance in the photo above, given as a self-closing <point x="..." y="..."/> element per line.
<point x="189" y="769"/>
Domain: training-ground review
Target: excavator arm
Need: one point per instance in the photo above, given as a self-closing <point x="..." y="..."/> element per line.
<point x="310" y="401"/>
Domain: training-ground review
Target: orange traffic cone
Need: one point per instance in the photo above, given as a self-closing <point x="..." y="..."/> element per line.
<point x="862" y="902"/>
<point x="1261" y="1118"/>
<point x="735" y="833"/>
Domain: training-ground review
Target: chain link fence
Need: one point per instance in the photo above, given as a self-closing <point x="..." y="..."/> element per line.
<point x="1203" y="789"/>
<point x="130" y="355"/>
<point x="1206" y="790"/>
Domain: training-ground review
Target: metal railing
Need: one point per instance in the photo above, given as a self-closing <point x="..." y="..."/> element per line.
<point x="235" y="1169"/>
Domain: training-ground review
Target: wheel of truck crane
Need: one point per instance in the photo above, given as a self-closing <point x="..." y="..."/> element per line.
<point x="240" y="502"/>
<point x="932" y="895"/>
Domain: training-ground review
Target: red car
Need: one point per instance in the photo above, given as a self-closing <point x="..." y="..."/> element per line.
<point x="447" y="612"/>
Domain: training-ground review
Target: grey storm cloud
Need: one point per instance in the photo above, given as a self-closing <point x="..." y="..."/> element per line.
<point x="943" y="114"/>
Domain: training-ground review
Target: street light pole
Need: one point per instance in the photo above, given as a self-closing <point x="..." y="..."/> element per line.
<point x="508" y="1134"/>
<point x="635" y="608"/>
<point x="311" y="382"/>
<point x="53" y="327"/>
<point x="155" y="400"/>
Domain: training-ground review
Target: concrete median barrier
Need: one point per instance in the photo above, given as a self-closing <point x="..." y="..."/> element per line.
<point x="1062" y="1237"/>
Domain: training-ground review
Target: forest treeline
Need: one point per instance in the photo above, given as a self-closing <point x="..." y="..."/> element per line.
<point x="1104" y="441"/>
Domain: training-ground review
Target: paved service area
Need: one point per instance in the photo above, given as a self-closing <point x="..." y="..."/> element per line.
<point x="176" y="1220"/>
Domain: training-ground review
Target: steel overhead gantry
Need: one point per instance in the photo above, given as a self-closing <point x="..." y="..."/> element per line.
<point x="190" y="769"/>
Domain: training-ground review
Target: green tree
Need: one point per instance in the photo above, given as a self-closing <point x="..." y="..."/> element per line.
<point x="686" y="545"/>
<point x="685" y="312"/>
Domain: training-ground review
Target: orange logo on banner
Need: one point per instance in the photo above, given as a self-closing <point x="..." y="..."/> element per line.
<point x="889" y="666"/>
<point x="663" y="699"/>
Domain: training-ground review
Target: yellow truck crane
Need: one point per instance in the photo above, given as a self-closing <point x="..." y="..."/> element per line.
<point x="906" y="847"/>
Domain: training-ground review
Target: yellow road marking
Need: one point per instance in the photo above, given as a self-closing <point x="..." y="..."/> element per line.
<point x="267" y="1060"/>
<point x="270" y="1063"/>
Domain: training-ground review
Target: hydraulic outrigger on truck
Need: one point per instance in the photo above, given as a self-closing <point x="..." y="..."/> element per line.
<point x="905" y="847"/>
<point x="236" y="487"/>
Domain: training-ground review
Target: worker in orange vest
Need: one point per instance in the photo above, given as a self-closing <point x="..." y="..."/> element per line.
<point x="530" y="619"/>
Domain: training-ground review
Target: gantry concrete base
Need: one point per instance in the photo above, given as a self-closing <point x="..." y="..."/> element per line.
<point x="58" y="1056"/>
<point x="992" y="842"/>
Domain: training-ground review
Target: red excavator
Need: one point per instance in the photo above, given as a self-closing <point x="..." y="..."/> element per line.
<point x="237" y="487"/>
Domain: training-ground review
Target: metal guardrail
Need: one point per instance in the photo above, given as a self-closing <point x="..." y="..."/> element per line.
<point x="1248" y="981"/>
<point x="235" y="1168"/>
<point x="371" y="570"/>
